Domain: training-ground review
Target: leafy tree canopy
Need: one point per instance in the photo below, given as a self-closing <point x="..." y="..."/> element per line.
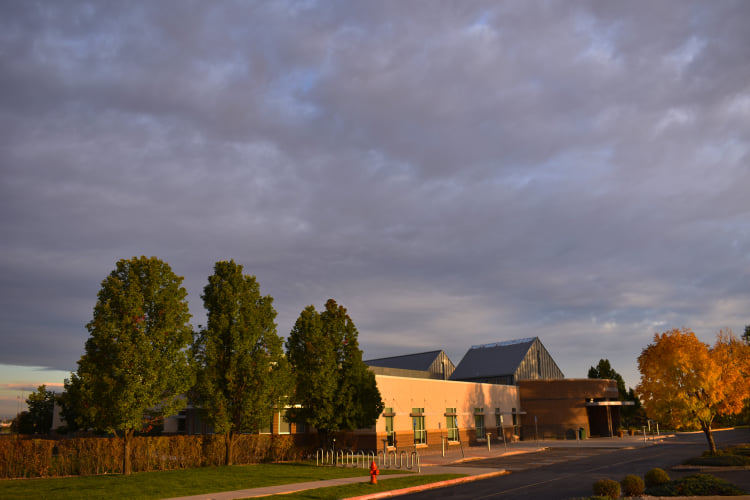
<point x="242" y="370"/>
<point x="334" y="387"/>
<point x="604" y="370"/>
<point x="685" y="382"/>
<point x="135" y="369"/>
<point x="41" y="409"/>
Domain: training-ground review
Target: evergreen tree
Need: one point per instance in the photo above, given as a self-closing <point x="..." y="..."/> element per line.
<point x="41" y="409"/>
<point x="242" y="371"/>
<point x="604" y="370"/>
<point x="334" y="388"/>
<point x="135" y="369"/>
<point x="631" y="414"/>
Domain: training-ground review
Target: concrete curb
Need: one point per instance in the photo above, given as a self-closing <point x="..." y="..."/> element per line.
<point x="428" y="486"/>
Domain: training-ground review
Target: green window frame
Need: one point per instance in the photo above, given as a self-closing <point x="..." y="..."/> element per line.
<point x="479" y="422"/>
<point x="418" y="424"/>
<point x="451" y="424"/>
<point x="389" y="432"/>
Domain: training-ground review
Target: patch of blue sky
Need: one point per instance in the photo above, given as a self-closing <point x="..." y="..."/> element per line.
<point x="685" y="54"/>
<point x="599" y="40"/>
<point x="482" y="25"/>
<point x="575" y="167"/>
<point x="392" y="170"/>
<point x="217" y="73"/>
<point x="483" y="20"/>
<point x="288" y="96"/>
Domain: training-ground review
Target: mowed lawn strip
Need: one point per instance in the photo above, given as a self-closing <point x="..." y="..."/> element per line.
<point x="354" y="490"/>
<point x="185" y="482"/>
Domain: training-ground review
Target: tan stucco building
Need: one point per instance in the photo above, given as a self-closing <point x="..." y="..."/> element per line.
<point x="512" y="389"/>
<point x="424" y="412"/>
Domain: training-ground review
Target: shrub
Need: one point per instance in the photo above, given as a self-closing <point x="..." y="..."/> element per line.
<point x="655" y="477"/>
<point x="607" y="488"/>
<point x="632" y="486"/>
<point x="720" y="460"/>
<point x="737" y="456"/>
<point x="696" y="485"/>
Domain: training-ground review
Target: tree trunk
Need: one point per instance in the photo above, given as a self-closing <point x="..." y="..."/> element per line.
<point x="127" y="467"/>
<point x="706" y="427"/>
<point x="229" y="440"/>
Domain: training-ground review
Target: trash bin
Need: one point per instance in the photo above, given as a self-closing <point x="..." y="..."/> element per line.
<point x="581" y="433"/>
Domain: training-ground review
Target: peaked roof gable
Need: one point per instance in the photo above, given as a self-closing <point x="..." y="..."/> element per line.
<point x="493" y="360"/>
<point x="418" y="361"/>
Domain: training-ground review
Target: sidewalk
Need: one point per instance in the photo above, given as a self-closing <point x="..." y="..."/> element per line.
<point x="433" y="462"/>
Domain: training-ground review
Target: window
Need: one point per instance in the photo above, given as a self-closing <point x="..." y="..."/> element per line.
<point x="479" y="422"/>
<point x="301" y="427"/>
<point x="389" y="434"/>
<point x="284" y="425"/>
<point x="417" y="421"/>
<point x="181" y="422"/>
<point x="451" y="424"/>
<point x="498" y="420"/>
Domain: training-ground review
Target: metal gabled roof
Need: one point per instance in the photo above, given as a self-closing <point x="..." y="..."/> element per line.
<point x="493" y="360"/>
<point x="418" y="361"/>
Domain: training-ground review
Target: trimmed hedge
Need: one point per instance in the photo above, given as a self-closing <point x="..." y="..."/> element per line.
<point x="632" y="486"/>
<point x="90" y="456"/>
<point x="696" y="485"/>
<point x="655" y="477"/>
<point x="607" y="488"/>
<point x="733" y="456"/>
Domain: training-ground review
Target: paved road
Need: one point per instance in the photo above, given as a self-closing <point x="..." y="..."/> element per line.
<point x="563" y="473"/>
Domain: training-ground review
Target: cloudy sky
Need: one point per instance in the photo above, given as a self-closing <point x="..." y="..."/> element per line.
<point x="454" y="173"/>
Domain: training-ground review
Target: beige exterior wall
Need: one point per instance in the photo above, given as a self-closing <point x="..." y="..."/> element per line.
<point x="403" y="394"/>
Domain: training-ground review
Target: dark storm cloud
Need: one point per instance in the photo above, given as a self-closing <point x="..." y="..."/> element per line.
<point x="453" y="173"/>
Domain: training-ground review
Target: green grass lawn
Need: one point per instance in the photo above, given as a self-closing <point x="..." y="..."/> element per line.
<point x="164" y="484"/>
<point x="353" y="490"/>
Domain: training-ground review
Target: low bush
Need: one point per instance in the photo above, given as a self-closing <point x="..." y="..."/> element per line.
<point x="719" y="460"/>
<point x="695" y="485"/>
<point x="607" y="488"/>
<point x="655" y="477"/>
<point x="737" y="456"/>
<point x="632" y="486"/>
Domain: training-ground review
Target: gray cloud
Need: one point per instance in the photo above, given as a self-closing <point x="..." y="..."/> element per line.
<point x="454" y="174"/>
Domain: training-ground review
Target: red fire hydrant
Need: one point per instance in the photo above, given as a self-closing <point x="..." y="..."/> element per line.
<point x="374" y="473"/>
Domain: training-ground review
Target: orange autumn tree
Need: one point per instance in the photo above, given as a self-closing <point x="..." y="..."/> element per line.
<point x="686" y="383"/>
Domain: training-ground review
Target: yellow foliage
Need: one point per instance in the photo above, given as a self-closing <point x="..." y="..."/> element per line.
<point x="685" y="382"/>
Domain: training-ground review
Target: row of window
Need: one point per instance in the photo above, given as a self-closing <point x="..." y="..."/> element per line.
<point x="451" y="424"/>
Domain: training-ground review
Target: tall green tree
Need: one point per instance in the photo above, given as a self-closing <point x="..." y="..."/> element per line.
<point x="71" y="405"/>
<point x="746" y="335"/>
<point x="41" y="405"/>
<point x="604" y="370"/>
<point x="135" y="369"/>
<point x="334" y="388"/>
<point x="631" y="414"/>
<point x="241" y="367"/>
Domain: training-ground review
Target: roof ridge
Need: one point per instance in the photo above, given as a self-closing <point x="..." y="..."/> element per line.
<point x="505" y="343"/>
<point x="403" y="355"/>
